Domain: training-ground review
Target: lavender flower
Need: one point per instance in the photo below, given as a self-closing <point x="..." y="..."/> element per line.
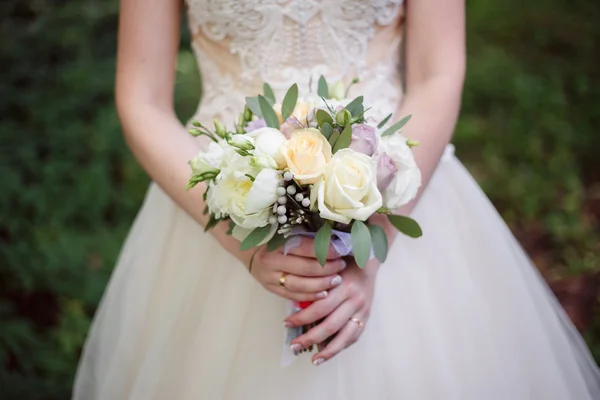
<point x="364" y="139"/>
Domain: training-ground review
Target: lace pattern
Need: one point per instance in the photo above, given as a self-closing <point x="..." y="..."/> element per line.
<point x="240" y="44"/>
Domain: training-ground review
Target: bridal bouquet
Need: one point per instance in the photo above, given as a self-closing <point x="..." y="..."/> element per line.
<point x="308" y="167"/>
<point x="311" y="166"/>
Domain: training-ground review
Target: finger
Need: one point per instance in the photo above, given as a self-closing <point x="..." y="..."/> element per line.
<point x="345" y="338"/>
<point x="302" y="284"/>
<point x="283" y="292"/>
<point x="328" y="328"/>
<point x="307" y="249"/>
<point x="318" y="310"/>
<point x="302" y="266"/>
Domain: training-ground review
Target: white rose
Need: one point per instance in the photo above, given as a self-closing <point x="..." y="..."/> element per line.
<point x="210" y="160"/>
<point x="407" y="179"/>
<point x="267" y="142"/>
<point x="348" y="189"/>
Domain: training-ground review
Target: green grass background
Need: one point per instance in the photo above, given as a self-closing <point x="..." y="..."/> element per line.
<point x="70" y="188"/>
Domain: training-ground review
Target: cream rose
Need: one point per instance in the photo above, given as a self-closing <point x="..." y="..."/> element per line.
<point x="267" y="142"/>
<point x="306" y="154"/>
<point x="348" y="189"/>
<point x="407" y="176"/>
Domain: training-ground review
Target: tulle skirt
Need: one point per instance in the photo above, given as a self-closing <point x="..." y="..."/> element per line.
<point x="460" y="313"/>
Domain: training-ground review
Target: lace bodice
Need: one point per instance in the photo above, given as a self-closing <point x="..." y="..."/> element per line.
<point x="241" y="44"/>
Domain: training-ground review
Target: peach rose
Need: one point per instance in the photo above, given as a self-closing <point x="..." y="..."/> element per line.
<point x="307" y="153"/>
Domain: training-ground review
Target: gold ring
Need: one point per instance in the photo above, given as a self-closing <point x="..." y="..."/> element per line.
<point x="282" y="279"/>
<point x="358" y="322"/>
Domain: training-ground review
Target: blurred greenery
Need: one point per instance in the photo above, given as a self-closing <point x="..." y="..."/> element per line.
<point x="528" y="133"/>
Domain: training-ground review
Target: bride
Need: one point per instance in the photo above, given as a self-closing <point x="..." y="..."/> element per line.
<point x="460" y="313"/>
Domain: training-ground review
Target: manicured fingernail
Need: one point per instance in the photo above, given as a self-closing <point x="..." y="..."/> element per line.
<point x="344" y="263"/>
<point x="295" y="347"/>
<point x="287" y="324"/>
<point x="321" y="295"/>
<point x="319" y="361"/>
<point x="336" y="280"/>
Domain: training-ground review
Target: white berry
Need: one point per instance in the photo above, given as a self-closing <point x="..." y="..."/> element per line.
<point x="282" y="219"/>
<point x="288" y="176"/>
<point x="306" y="202"/>
<point x="282" y="200"/>
<point x="280" y="191"/>
<point x="299" y="197"/>
<point x="281" y="211"/>
<point x="291" y="189"/>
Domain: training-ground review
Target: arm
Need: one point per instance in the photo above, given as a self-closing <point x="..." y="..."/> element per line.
<point x="148" y="45"/>
<point x="435" y="69"/>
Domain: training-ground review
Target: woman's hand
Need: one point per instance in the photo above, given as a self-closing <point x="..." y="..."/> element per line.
<point x="346" y="311"/>
<point x="297" y="276"/>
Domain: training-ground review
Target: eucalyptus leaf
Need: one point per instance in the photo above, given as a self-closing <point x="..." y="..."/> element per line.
<point x="276" y="242"/>
<point x="255" y="237"/>
<point x="268" y="114"/>
<point x="322" y="89"/>
<point x="327" y="130"/>
<point x="344" y="139"/>
<point x="406" y="225"/>
<point x="323" y="117"/>
<point x="379" y="242"/>
<point x="384" y="121"/>
<point x="361" y="243"/>
<point x="268" y="93"/>
<point x="289" y="102"/>
<point x="321" y="243"/>
<point x="397" y="126"/>
<point x="356" y="106"/>
<point x="334" y="138"/>
<point x="254" y="106"/>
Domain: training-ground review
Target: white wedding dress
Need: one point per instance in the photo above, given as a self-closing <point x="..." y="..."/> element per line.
<point x="460" y="313"/>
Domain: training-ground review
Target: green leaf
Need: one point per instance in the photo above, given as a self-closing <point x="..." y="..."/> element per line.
<point x="327" y="130"/>
<point x="379" y="242"/>
<point x="322" y="89"/>
<point x="255" y="237"/>
<point x="254" y="106"/>
<point x="361" y="243"/>
<point x="322" y="241"/>
<point x="268" y="92"/>
<point x="384" y="121"/>
<point x="397" y="126"/>
<point x="276" y="242"/>
<point x="356" y="106"/>
<point x="252" y="261"/>
<point x="212" y="222"/>
<point x="406" y="225"/>
<point x="334" y="138"/>
<point x="323" y="117"/>
<point x="289" y="102"/>
<point x="231" y="226"/>
<point x="268" y="113"/>
<point x="344" y="140"/>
